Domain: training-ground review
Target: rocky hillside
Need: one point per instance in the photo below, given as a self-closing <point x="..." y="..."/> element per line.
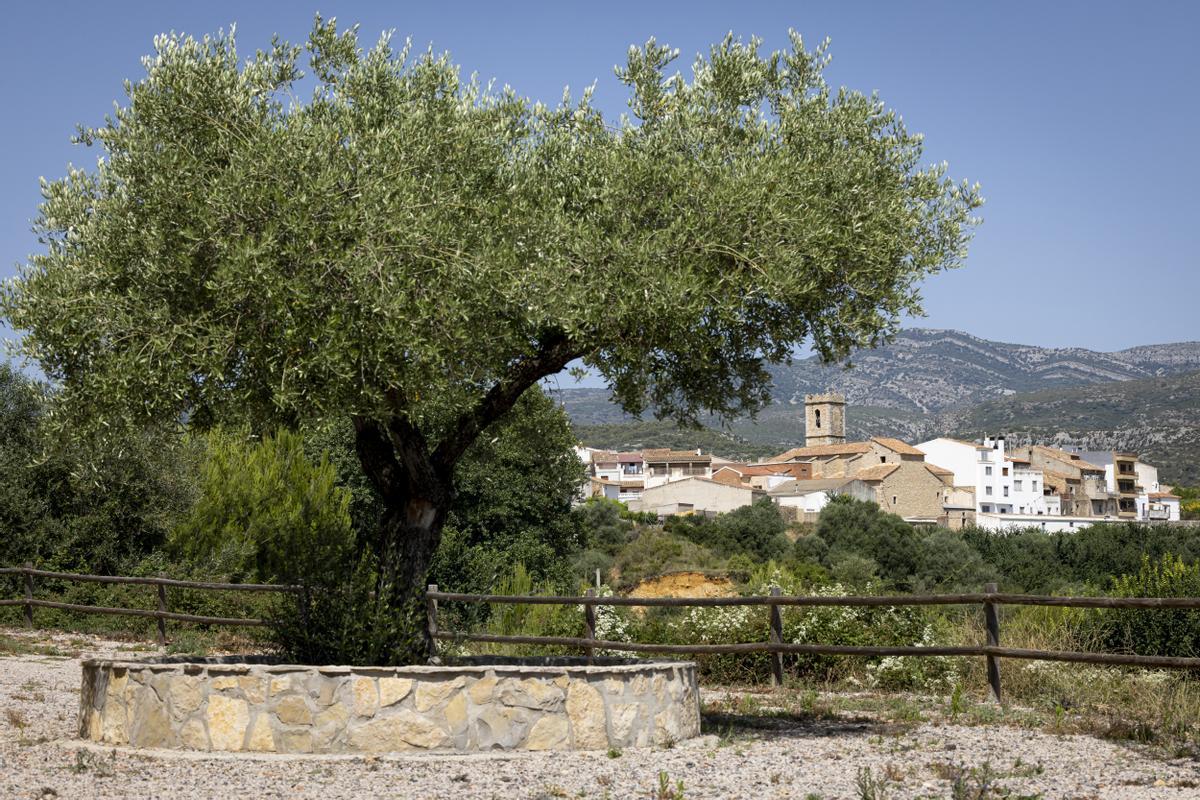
<point x="932" y="370"/>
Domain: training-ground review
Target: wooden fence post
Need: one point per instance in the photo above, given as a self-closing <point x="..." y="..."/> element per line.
<point x="162" y="609"/>
<point x="431" y="621"/>
<point x="589" y="626"/>
<point x="992" y="620"/>
<point x="776" y="638"/>
<point x="28" y="595"/>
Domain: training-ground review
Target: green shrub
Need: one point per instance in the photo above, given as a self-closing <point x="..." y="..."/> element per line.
<point x="755" y="530"/>
<point x="1158" y="631"/>
<point x="529" y="619"/>
<point x="605" y="524"/>
<point x="654" y="552"/>
<point x="265" y="512"/>
<point x="878" y="625"/>
<point x="850" y="526"/>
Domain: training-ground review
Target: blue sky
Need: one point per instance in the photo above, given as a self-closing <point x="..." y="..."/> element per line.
<point x="1079" y="120"/>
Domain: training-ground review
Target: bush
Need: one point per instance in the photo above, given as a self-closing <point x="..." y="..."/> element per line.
<point x="653" y="552"/>
<point x="1035" y="561"/>
<point x="605" y="524"/>
<point x="266" y="513"/>
<point x="854" y="526"/>
<point x="96" y="503"/>
<point x="755" y="530"/>
<point x="878" y="625"/>
<point x="1158" y="631"/>
<point x="946" y="563"/>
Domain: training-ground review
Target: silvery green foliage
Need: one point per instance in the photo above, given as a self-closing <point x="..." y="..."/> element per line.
<point x="402" y="239"/>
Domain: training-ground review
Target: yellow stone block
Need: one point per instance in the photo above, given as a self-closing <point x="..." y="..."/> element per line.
<point x="548" y="733"/>
<point x="184" y="694"/>
<point x="253" y="687"/>
<point x="585" y="708"/>
<point x="456" y="712"/>
<point x="192" y="735"/>
<point x="293" y="711"/>
<point x="261" y="740"/>
<point x="481" y="690"/>
<point x="227" y="720"/>
<point x="366" y="697"/>
<point x="430" y="694"/>
<point x="393" y="690"/>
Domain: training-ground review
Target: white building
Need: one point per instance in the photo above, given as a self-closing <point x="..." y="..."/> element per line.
<point x="1158" y="507"/>
<point x="624" y="476"/>
<point x="1002" y="484"/>
<point x="810" y="496"/>
<point x="1004" y="522"/>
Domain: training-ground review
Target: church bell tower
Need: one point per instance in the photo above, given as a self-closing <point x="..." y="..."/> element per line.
<point x="824" y="419"/>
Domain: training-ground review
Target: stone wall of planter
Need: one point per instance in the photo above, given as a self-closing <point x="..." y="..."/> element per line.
<point x="539" y="704"/>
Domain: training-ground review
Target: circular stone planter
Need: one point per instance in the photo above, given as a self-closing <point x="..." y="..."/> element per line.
<point x="248" y="704"/>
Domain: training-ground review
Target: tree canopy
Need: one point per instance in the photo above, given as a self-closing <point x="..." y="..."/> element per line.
<point x="405" y="243"/>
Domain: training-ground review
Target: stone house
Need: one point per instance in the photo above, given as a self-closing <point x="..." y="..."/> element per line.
<point x="1082" y="486"/>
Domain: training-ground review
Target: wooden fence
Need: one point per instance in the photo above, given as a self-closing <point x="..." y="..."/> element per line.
<point x="29" y="602"/>
<point x="990" y="599"/>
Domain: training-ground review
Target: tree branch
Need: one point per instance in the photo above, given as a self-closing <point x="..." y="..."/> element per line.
<point x="554" y="355"/>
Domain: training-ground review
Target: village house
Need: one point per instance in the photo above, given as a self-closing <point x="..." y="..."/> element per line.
<point x="1081" y="485"/>
<point x="760" y="476"/>
<point x="1002" y="483"/>
<point x="1135" y="484"/>
<point x="695" y="495"/>
<point x="624" y="476"/>
<point x="942" y="481"/>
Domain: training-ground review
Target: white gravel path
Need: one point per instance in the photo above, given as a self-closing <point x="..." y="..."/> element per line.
<point x="40" y="758"/>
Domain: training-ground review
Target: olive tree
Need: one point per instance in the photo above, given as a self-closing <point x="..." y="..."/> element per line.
<point x="413" y="250"/>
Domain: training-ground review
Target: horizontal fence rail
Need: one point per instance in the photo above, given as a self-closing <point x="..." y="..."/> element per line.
<point x="990" y="600"/>
<point x="160" y="613"/>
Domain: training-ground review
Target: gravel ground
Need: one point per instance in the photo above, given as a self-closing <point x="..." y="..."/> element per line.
<point x="766" y="758"/>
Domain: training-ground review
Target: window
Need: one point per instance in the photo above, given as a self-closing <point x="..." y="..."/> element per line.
<point x="987" y="470"/>
<point x="987" y="490"/>
<point x="1004" y="471"/>
<point x="1016" y="486"/>
<point x="817" y="417"/>
<point x="893" y="499"/>
<point x="987" y="509"/>
<point x="1033" y="485"/>
<point x="883" y="459"/>
<point x="1006" y="491"/>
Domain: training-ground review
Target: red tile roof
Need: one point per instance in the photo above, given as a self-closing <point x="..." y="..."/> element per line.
<point x="897" y="446"/>
<point x="847" y="449"/>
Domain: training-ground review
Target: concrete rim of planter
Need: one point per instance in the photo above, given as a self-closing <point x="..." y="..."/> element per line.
<point x="260" y="704"/>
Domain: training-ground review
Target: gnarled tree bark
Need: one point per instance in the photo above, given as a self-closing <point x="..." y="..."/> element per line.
<point x="416" y="485"/>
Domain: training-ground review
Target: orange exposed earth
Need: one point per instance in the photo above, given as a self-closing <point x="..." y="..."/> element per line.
<point x="684" y="584"/>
